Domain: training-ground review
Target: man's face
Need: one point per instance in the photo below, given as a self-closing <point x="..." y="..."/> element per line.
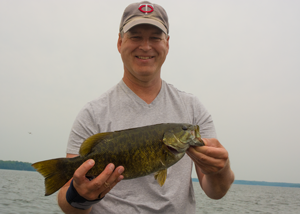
<point x="143" y="50"/>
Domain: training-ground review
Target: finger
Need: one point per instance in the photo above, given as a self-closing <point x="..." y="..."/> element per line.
<point x="219" y="153"/>
<point x="79" y="174"/>
<point x="207" y="161"/>
<point x="212" y="142"/>
<point x="205" y="168"/>
<point x="100" y="179"/>
<point x="90" y="189"/>
<point x="203" y="159"/>
<point x="115" y="178"/>
<point x="207" y="164"/>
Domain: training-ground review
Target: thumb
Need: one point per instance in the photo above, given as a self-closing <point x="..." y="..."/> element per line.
<point x="212" y="142"/>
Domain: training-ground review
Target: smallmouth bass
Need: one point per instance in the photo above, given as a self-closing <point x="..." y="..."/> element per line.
<point x="141" y="151"/>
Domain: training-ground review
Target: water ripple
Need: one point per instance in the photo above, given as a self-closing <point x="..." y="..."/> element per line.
<point x="23" y="192"/>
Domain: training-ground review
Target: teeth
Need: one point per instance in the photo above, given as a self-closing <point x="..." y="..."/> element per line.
<point x="142" y="57"/>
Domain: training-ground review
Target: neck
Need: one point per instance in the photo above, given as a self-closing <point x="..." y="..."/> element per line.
<point x="147" y="91"/>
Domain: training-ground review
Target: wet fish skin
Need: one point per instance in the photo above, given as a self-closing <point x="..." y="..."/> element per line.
<point x="141" y="151"/>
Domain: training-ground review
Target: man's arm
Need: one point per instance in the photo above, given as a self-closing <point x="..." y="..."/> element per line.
<point x="212" y="167"/>
<point x="90" y="190"/>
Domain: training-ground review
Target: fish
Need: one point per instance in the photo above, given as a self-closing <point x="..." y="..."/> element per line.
<point x="141" y="151"/>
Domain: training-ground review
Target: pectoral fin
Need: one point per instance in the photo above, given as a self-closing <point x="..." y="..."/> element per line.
<point x="161" y="176"/>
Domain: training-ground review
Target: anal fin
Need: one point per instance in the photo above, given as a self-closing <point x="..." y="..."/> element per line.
<point x="161" y="176"/>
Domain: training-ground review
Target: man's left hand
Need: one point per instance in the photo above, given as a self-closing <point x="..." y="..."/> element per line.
<point x="211" y="158"/>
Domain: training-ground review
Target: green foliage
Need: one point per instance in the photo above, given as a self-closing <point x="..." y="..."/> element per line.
<point x="16" y="165"/>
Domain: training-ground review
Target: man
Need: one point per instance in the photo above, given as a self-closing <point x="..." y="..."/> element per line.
<point x="142" y="98"/>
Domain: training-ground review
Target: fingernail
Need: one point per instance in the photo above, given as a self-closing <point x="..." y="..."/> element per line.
<point x="121" y="170"/>
<point x="111" y="167"/>
<point x="91" y="162"/>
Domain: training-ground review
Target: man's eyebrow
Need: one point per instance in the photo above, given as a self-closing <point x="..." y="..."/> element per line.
<point x="158" y="33"/>
<point x="133" y="32"/>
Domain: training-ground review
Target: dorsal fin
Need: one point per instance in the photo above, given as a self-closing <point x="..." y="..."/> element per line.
<point x="91" y="142"/>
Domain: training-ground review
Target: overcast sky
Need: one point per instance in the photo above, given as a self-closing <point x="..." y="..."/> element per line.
<point x="241" y="58"/>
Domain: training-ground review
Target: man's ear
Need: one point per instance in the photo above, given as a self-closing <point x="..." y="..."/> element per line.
<point x="119" y="43"/>
<point x="168" y="42"/>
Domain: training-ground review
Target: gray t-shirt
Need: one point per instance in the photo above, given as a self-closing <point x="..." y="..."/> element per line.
<point x="120" y="108"/>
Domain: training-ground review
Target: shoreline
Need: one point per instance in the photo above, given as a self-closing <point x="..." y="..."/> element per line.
<point x="261" y="183"/>
<point x="237" y="182"/>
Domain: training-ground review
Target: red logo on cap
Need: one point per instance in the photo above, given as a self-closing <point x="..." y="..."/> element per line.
<point x="146" y="9"/>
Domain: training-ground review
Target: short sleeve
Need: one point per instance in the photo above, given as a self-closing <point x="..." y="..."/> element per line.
<point x="83" y="127"/>
<point x="204" y="120"/>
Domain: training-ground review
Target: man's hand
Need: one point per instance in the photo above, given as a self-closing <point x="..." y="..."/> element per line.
<point x="211" y="158"/>
<point x="99" y="186"/>
<point x="212" y="167"/>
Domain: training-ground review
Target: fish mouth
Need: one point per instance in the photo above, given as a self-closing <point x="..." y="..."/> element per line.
<point x="178" y="143"/>
<point x="196" y="140"/>
<point x="182" y="146"/>
<point x="173" y="151"/>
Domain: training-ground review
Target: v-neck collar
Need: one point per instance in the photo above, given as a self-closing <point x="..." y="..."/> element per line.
<point x="137" y="99"/>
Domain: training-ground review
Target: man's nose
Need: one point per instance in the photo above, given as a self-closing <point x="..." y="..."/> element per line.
<point x="145" y="45"/>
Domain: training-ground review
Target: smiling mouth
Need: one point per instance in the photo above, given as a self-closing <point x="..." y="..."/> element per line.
<point x="144" y="57"/>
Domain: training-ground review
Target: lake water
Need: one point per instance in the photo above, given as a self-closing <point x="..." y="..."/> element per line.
<point x="23" y="192"/>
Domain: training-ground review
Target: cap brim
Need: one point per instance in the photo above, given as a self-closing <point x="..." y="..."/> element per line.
<point x="145" y="21"/>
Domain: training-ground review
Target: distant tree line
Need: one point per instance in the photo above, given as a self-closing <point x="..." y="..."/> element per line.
<point x="16" y="165"/>
<point x="264" y="183"/>
<point x="261" y="183"/>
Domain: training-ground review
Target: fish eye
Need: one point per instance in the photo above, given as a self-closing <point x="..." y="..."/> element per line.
<point x="184" y="128"/>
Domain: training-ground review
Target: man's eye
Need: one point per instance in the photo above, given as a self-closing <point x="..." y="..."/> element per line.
<point x="156" y="38"/>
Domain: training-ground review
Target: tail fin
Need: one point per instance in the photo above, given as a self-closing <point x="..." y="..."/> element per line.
<point x="53" y="171"/>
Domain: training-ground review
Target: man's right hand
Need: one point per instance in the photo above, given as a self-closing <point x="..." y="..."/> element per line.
<point x="99" y="186"/>
<point x="90" y="190"/>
